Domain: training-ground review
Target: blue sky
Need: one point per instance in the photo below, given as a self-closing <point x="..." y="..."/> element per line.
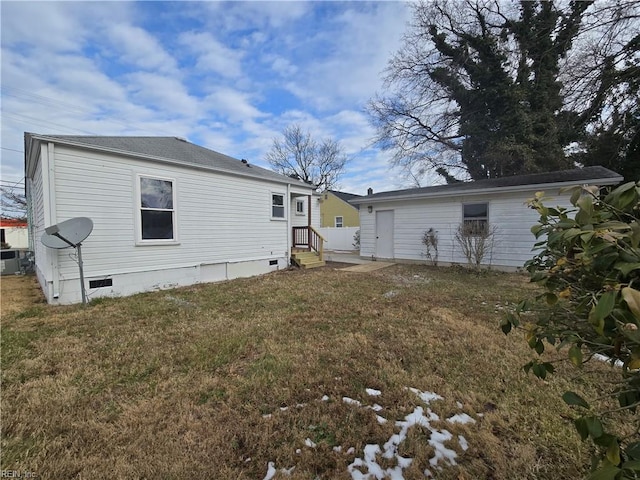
<point x="226" y="75"/>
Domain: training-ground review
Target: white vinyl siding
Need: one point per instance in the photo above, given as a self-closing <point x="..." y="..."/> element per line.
<point x="508" y="212"/>
<point x="221" y="218"/>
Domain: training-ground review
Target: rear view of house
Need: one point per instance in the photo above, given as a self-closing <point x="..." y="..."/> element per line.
<point x="166" y="212"/>
<point x="393" y="224"/>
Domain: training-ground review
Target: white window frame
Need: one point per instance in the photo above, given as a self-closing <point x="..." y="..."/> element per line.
<point x="138" y="212"/>
<point x="335" y="221"/>
<point x="300" y="207"/>
<point x="284" y="206"/>
<point x="485" y="219"/>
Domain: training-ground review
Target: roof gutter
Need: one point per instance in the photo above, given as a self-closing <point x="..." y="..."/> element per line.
<point x="165" y="160"/>
<point x="481" y="191"/>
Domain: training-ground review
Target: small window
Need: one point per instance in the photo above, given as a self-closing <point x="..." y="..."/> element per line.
<point x="277" y="205"/>
<point x="475" y="218"/>
<point x="299" y="207"/>
<point x="338" y="222"/>
<point x="157" y="209"/>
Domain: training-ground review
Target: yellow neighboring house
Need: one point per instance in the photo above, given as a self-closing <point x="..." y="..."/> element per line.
<point x="336" y="211"/>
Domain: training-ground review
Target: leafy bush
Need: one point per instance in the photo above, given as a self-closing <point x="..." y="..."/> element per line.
<point x="589" y="267"/>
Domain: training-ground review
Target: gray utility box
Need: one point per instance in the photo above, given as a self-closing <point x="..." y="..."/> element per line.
<point x="14" y="261"/>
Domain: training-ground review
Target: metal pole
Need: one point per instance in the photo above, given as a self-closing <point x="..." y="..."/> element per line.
<point x="84" y="294"/>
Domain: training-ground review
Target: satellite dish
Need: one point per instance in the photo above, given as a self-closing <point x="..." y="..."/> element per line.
<point x="69" y="233"/>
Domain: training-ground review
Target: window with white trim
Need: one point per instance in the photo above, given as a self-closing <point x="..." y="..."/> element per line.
<point x="475" y="217"/>
<point x="277" y="205"/>
<point x="299" y="207"/>
<point x="157" y="208"/>
<point x="338" y="222"/>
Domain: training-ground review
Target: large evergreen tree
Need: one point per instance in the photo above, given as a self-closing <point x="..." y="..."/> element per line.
<point x="482" y="89"/>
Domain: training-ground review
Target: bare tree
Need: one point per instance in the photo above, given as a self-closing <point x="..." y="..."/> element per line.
<point x="13" y="201"/>
<point x="485" y="89"/>
<point x="298" y="155"/>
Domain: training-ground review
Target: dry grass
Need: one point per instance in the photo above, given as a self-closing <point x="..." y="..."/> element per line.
<point x="192" y="383"/>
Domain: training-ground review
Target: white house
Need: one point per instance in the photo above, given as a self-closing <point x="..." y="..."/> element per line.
<point x="392" y="224"/>
<point x="166" y="213"/>
<point x="14" y="233"/>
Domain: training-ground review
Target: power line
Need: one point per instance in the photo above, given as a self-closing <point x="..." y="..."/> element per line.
<point x="43" y="100"/>
<point x="45" y="122"/>
<point x="11" y="149"/>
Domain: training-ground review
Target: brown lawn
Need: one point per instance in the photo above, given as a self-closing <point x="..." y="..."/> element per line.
<point x="219" y="380"/>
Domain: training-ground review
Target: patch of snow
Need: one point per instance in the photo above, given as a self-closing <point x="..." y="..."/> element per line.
<point x="310" y="443"/>
<point x="373" y="392"/>
<point x="461" y="418"/>
<point x="298" y="451"/>
<point x="351" y="401"/>
<point x="390" y="294"/>
<point x="325" y="398"/>
<point x="459" y="405"/>
<point x="604" y="358"/>
<point x="267" y="415"/>
<point x="438" y="437"/>
<point x="427" y="473"/>
<point x="381" y="420"/>
<point x="284" y="409"/>
<point x="300" y="405"/>
<point x="271" y="471"/>
<point x="426" y="397"/>
<point x="337" y="449"/>
<point x="351" y="451"/>
<point x="287" y="471"/>
<point x="375" y="407"/>
<point x="464" y="445"/>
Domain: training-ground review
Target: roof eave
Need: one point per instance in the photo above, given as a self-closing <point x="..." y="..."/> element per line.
<point x="476" y="191"/>
<point x="170" y="161"/>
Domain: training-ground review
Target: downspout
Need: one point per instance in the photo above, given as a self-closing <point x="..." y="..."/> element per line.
<point x="289" y="225"/>
<point x="47" y="153"/>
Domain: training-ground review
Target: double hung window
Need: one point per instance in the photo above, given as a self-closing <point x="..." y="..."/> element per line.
<point x="157" y="209"/>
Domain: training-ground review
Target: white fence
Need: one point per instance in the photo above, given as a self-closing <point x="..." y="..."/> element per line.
<point x="338" y="238"/>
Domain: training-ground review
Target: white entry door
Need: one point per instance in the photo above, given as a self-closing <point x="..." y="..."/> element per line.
<point x="384" y="234"/>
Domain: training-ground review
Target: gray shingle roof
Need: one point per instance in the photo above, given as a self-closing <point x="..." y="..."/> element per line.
<point x="346" y="197"/>
<point x="578" y="176"/>
<point x="173" y="149"/>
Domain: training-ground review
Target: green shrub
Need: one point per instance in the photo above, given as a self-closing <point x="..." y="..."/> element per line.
<point x="589" y="267"/>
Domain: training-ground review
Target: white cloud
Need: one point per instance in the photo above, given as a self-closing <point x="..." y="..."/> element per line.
<point x="56" y="26"/>
<point x="212" y="55"/>
<point x="162" y="93"/>
<point x="360" y="41"/>
<point x="233" y="104"/>
<point x="231" y="16"/>
<point x="140" y="48"/>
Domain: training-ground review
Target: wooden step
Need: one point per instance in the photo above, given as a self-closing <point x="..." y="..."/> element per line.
<point x="307" y="259"/>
